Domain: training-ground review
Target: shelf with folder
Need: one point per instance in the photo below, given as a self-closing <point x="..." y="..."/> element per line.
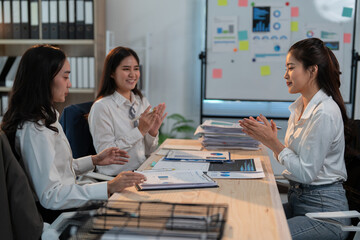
<point x="47" y="41"/>
<point x="87" y="52"/>
<point x="71" y="90"/>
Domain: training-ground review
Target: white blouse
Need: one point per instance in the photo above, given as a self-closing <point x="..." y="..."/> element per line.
<point x="315" y="143"/>
<point x="111" y="126"/>
<point x="48" y="160"/>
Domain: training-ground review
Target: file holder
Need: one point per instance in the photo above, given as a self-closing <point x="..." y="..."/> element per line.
<point x="120" y="219"/>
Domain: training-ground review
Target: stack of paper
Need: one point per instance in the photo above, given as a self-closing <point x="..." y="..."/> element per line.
<point x="225" y="135"/>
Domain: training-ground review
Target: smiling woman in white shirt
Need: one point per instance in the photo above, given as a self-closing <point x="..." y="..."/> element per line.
<point x="31" y="124"/>
<point x="121" y="116"/>
<point x="314" y="148"/>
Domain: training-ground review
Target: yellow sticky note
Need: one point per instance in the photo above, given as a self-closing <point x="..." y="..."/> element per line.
<point x="265" y="70"/>
<point x="243" y="45"/>
<point x="294" y="26"/>
<point x="222" y="2"/>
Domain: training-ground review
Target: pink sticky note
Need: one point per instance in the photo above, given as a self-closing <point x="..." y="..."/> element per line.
<point x="294" y="11"/>
<point x="217" y="73"/>
<point x="347" y="37"/>
<point x="243" y="3"/>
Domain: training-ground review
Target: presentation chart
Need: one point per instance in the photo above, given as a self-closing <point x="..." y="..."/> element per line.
<point x="261" y="19"/>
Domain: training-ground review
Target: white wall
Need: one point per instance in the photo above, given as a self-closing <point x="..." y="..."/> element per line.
<point x="177" y="30"/>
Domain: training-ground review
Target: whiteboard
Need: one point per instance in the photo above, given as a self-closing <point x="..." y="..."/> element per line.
<point x="246" y="45"/>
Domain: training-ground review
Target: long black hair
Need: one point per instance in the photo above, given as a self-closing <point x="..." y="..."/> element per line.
<point x="31" y="95"/>
<point x="312" y="51"/>
<point x="112" y="61"/>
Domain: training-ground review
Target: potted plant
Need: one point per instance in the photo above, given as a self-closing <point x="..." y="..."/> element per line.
<point x="180" y="125"/>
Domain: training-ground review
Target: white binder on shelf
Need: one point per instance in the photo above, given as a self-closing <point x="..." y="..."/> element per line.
<point x="4" y="103"/>
<point x="25" y="27"/>
<point x="45" y="22"/>
<point x="79" y="74"/>
<point x="7" y="20"/>
<point x="92" y="72"/>
<point x="72" y="61"/>
<point x="53" y="15"/>
<point x="89" y="19"/>
<point x="71" y="19"/>
<point x="16" y="19"/>
<point x="34" y="19"/>
<point x="63" y="21"/>
<point x="85" y="62"/>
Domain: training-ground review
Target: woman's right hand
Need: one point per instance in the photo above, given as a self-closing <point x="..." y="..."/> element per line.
<point x="147" y="121"/>
<point x="124" y="180"/>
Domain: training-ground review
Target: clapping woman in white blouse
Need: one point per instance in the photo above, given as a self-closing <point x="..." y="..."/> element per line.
<point x="31" y="124"/>
<point x="119" y="103"/>
<point x="314" y="148"/>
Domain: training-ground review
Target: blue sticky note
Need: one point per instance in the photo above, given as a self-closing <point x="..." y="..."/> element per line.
<point x="163" y="177"/>
<point x="153" y="164"/>
<point x="347" y="12"/>
<point x="242" y="35"/>
<point x="225" y="175"/>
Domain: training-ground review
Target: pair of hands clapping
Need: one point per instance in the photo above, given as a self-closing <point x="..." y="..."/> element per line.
<point x="114" y="155"/>
<point x="150" y="122"/>
<point x="264" y="131"/>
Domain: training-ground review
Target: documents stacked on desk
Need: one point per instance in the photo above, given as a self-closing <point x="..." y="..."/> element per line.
<point x="162" y="180"/>
<point x="225" y="135"/>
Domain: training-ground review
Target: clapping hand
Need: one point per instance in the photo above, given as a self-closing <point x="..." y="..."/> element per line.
<point x="112" y="155"/>
<point x="160" y="116"/>
<point x="147" y="120"/>
<point x="264" y="131"/>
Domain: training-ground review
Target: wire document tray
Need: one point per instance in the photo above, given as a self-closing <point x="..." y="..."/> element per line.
<point x="152" y="220"/>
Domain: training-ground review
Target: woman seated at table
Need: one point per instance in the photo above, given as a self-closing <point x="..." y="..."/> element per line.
<point x="31" y="124"/>
<point x="112" y="118"/>
<point x="314" y="148"/>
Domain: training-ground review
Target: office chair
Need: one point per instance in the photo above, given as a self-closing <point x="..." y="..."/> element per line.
<point x="76" y="127"/>
<point x="19" y="218"/>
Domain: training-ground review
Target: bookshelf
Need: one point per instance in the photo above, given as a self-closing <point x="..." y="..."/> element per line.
<point x="94" y="47"/>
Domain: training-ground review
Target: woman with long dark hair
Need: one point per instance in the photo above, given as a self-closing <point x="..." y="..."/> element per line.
<point x="31" y="124"/>
<point x="113" y="117"/>
<point x="314" y="148"/>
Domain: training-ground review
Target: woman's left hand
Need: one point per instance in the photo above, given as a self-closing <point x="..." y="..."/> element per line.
<point x="160" y="116"/>
<point x="112" y="155"/>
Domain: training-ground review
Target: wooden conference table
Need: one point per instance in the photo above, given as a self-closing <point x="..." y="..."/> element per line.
<point x="255" y="209"/>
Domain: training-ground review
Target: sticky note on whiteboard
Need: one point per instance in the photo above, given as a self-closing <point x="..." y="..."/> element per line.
<point x="243" y="3"/>
<point x="294" y="11"/>
<point x="294" y="26"/>
<point x="347" y="12"/>
<point x="222" y="2"/>
<point x="347" y="37"/>
<point x="217" y="73"/>
<point x="242" y="35"/>
<point x="243" y="45"/>
<point x="265" y="70"/>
